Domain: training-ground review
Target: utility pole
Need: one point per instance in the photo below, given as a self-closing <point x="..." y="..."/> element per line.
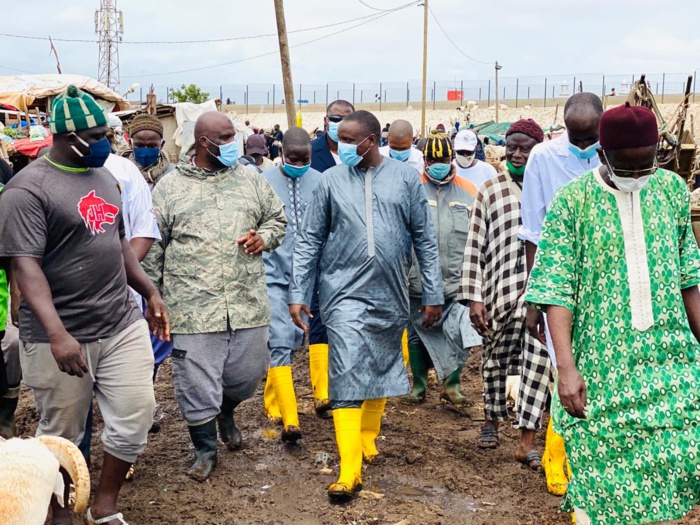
<point x="109" y="26"/>
<point x="286" y="64"/>
<point x="425" y="67"/>
<point x="497" y="67"/>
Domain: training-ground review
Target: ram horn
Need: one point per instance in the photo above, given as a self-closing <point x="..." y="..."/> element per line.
<point x="73" y="462"/>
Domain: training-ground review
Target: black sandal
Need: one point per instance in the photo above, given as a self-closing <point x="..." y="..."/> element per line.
<point x="530" y="458"/>
<point x="488" y="438"/>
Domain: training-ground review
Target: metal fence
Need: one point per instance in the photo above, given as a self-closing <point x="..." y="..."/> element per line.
<point x="514" y="90"/>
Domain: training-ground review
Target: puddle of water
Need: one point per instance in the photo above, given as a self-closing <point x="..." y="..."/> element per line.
<point x="451" y="503"/>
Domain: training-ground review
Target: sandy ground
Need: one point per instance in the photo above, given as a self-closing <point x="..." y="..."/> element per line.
<point x="431" y="472"/>
<point x="544" y="116"/>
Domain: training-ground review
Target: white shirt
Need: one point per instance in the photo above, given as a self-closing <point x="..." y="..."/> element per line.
<point x="416" y="159"/>
<point x="478" y="173"/>
<point x="137" y="205"/>
<point x="336" y="158"/>
<point x="551" y="165"/>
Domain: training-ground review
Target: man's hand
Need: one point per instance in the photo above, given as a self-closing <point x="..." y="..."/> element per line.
<point x="572" y="392"/>
<point x="252" y="243"/>
<point x="14" y="313"/>
<point x="157" y="317"/>
<point x="68" y="355"/>
<point x="295" y="310"/>
<point x="534" y="320"/>
<point x="481" y="321"/>
<point x="431" y="315"/>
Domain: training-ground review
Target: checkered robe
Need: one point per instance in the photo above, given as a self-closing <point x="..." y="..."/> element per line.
<point x="494" y="272"/>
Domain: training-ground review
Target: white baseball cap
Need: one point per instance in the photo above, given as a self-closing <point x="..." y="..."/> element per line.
<point x="465" y="140"/>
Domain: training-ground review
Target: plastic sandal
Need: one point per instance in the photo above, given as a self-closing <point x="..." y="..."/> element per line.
<point x="118" y="516"/>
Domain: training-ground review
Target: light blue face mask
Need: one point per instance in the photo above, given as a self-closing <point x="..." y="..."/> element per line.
<point x="295" y="172"/>
<point x="333" y="131"/>
<point x="439" y="171"/>
<point x="348" y="153"/>
<point x="401" y="156"/>
<point x="585" y="154"/>
<point x="228" y="153"/>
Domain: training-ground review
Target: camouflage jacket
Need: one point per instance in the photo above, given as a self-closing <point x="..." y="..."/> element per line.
<point x="204" y="275"/>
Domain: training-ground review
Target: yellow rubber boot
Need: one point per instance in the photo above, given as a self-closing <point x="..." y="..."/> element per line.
<point x="318" y="368"/>
<point x="272" y="408"/>
<point x="554" y="461"/>
<point x="283" y="387"/>
<point x="404" y="347"/>
<point x="372" y="411"/>
<point x="348" y="428"/>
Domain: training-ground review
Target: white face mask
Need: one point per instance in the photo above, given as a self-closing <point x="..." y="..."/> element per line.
<point x="465" y="161"/>
<point x="629" y="184"/>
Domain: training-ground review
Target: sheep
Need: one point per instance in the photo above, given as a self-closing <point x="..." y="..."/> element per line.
<point x="30" y="475"/>
<point x="512" y="388"/>
<point x="503" y="106"/>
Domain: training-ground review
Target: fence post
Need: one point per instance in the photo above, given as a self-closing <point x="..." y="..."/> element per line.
<point x="517" y="88"/>
<point x="479" y="95"/>
<point x="488" y="96"/>
<point x="545" y="92"/>
<point x="167" y="95"/>
<point x="326" y="94"/>
<point x="461" y="92"/>
<point x="408" y="94"/>
<point x="504" y="94"/>
<point x="337" y="94"/>
<point x="362" y="91"/>
<point x="663" y="87"/>
<point x="380" y="96"/>
<point x="246" y="98"/>
<point x="300" y="97"/>
<point x="434" y="93"/>
<point x="141" y="97"/>
<point x="273" y="99"/>
<point x="353" y="93"/>
<point x="268" y="98"/>
<point x="602" y="95"/>
<point x="221" y="94"/>
<point x="573" y="87"/>
<point x="528" y="92"/>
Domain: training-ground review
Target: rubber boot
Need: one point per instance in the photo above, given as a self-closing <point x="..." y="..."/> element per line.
<point x="348" y="429"/>
<point x="8" y="406"/>
<point x="372" y="411"/>
<point x="450" y="389"/>
<point x="204" y="441"/>
<point x="272" y="409"/>
<point x="420" y="366"/>
<point x="283" y="387"/>
<point x="554" y="461"/>
<point x="318" y="368"/>
<point x="229" y="433"/>
<point x="404" y="348"/>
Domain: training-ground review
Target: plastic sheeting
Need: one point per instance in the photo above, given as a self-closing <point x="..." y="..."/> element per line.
<point x="20" y="91"/>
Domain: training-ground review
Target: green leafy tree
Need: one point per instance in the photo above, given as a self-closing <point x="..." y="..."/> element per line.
<point x="189" y="93"/>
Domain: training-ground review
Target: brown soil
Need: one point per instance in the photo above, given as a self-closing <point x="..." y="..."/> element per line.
<point x="431" y="471"/>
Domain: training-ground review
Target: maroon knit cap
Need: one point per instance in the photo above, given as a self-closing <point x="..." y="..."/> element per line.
<point x="628" y="127"/>
<point x="528" y="127"/>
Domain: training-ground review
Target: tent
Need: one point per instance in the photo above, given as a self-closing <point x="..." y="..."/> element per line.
<point x="21" y="91"/>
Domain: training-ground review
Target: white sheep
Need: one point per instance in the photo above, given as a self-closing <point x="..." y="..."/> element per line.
<point x="512" y="388"/>
<point x="30" y="475"/>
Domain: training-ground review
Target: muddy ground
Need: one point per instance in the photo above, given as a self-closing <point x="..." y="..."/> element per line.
<point x="432" y="471"/>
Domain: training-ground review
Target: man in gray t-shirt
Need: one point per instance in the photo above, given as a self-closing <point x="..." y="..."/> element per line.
<point x="61" y="227"/>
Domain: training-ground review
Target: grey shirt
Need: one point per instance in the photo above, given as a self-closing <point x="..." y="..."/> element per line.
<point x="73" y="223"/>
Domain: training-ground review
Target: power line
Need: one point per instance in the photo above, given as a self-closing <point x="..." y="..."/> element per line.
<point x="18" y="70"/>
<point x="453" y="44"/>
<point x="213" y="40"/>
<point x="374" y="8"/>
<point x="375" y="16"/>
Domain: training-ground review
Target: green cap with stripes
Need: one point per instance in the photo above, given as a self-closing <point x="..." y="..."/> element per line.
<point x="75" y="110"/>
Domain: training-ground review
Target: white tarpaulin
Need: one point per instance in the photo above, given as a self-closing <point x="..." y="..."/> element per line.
<point x="186" y="114"/>
<point x="20" y="91"/>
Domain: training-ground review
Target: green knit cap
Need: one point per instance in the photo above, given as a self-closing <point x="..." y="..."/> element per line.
<point x="75" y="110"/>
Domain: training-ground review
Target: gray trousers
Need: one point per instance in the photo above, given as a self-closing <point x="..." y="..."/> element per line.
<point x="208" y="366"/>
<point x="121" y="370"/>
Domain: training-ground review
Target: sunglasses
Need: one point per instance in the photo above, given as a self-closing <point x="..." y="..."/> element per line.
<point x="335" y="118"/>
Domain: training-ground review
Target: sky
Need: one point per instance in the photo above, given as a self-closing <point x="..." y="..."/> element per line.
<point x="532" y="38"/>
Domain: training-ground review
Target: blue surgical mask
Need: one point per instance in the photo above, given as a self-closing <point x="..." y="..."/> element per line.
<point x="585" y="154"/>
<point x="439" y="171"/>
<point x="295" y="172"/>
<point x="401" y="156"/>
<point x="228" y="153"/>
<point x="333" y="131"/>
<point x="146" y="156"/>
<point x="99" y="151"/>
<point x="348" y="153"/>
